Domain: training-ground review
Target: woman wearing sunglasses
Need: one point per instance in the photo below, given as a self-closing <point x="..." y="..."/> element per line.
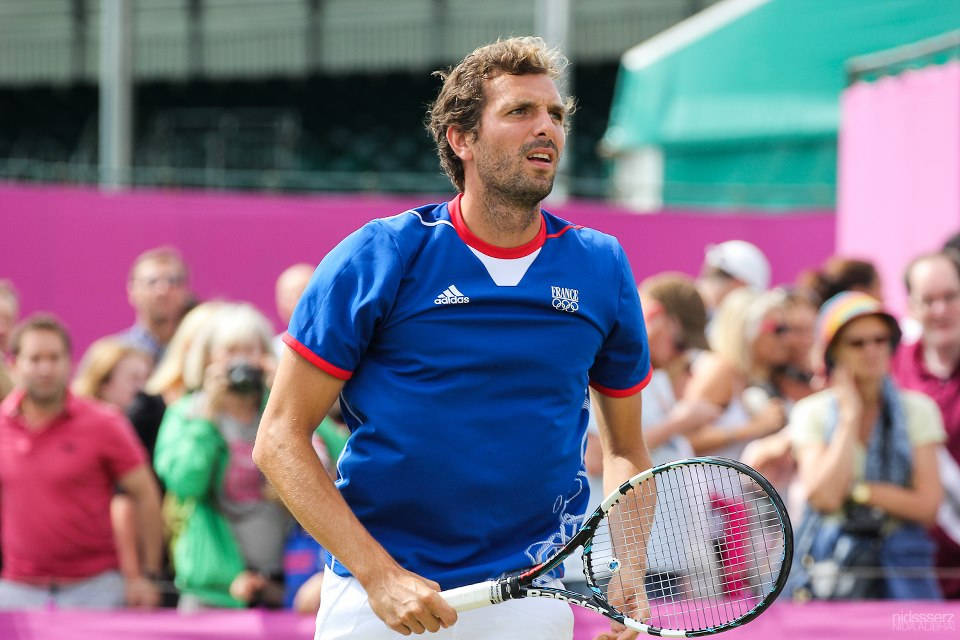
<point x="748" y="341"/>
<point x="866" y="454"/>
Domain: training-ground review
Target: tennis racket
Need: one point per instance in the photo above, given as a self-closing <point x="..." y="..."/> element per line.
<point x="689" y="548"/>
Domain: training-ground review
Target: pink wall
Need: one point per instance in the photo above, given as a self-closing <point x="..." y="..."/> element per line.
<point x="899" y="182"/>
<point x="869" y="620"/>
<point x="68" y="250"/>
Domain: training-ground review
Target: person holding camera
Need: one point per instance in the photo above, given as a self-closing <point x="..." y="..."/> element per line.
<point x="227" y="528"/>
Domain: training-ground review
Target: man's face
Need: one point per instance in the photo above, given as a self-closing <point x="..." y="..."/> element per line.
<point x="290" y="287"/>
<point x="935" y="301"/>
<point x="43" y="366"/>
<point x="8" y="318"/>
<point x="521" y="135"/>
<point x="158" y="290"/>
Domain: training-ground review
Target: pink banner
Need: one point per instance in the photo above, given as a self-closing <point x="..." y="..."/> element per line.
<point x="874" y="620"/>
<point x="899" y="182"/>
<point x="68" y="250"/>
<point x="877" y="620"/>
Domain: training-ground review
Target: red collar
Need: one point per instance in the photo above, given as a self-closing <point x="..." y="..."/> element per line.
<point x="11" y="404"/>
<point x="921" y="364"/>
<point x="494" y="252"/>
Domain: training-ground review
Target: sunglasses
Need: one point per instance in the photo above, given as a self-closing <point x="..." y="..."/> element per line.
<point x="860" y="343"/>
<point x="778" y="329"/>
<point x="652" y="309"/>
<point x="170" y="281"/>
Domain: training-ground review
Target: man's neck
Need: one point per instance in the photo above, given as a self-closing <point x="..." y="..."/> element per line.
<point x="38" y="415"/>
<point x="497" y="222"/>
<point x="941" y="360"/>
<point x="871" y="392"/>
<point x="160" y="330"/>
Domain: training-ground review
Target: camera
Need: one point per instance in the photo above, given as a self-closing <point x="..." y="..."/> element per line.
<point x="245" y="378"/>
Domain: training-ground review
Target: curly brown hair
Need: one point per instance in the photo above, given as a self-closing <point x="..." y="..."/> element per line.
<point x="461" y="99"/>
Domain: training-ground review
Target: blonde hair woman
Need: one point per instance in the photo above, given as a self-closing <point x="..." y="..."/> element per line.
<point x="228" y="534"/>
<point x="167" y="379"/>
<point x="747" y="341"/>
<point x="112" y="371"/>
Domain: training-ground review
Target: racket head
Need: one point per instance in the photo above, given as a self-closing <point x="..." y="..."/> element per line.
<point x="716" y="549"/>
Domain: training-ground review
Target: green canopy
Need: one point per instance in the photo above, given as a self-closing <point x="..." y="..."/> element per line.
<point x="742" y="99"/>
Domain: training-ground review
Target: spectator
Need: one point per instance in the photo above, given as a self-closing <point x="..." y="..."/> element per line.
<point x="157" y="290"/>
<point x="794" y="379"/>
<point x="60" y="458"/>
<point x="228" y="533"/>
<point x="729" y="266"/>
<point x="932" y="365"/>
<point x="748" y="340"/>
<point x="167" y="378"/>
<point x="114" y="372"/>
<point x="842" y="274"/>
<point x="866" y="453"/>
<point x="9" y="311"/>
<point x="675" y="317"/>
<point x="772" y="455"/>
<point x="953" y="243"/>
<point x="290" y="286"/>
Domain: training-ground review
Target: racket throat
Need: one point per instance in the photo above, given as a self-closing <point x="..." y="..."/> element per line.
<point x="508" y="589"/>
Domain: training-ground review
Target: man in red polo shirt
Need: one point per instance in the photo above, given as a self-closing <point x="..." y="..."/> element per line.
<point x="932" y="365"/>
<point x="61" y="459"/>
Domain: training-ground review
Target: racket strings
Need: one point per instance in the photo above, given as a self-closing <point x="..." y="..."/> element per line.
<point x="694" y="547"/>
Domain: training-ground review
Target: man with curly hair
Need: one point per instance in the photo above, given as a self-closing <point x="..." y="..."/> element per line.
<point x="460" y="339"/>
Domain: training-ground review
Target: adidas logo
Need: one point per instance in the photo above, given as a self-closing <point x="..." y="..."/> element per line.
<point x="451" y="295"/>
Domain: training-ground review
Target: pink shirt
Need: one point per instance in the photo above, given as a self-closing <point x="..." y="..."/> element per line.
<point x="56" y="484"/>
<point x="910" y="373"/>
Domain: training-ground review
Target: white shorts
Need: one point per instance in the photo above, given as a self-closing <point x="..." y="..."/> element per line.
<point x="345" y="613"/>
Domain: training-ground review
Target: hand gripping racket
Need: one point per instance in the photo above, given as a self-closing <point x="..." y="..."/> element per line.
<point x="684" y="549"/>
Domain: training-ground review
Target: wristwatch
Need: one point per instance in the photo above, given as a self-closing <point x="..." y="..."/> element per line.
<point x="860" y="493"/>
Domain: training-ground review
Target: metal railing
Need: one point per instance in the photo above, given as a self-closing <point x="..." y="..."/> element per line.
<point x="292" y="180"/>
<point x="38" y="46"/>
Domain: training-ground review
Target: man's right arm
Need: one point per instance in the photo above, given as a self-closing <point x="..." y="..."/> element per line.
<point x="301" y="396"/>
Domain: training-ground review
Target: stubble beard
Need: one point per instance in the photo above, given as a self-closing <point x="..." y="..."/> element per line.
<point x="46" y="399"/>
<point x="511" y="199"/>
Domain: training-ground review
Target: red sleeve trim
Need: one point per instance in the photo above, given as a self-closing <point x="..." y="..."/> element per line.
<point x="564" y="230"/>
<point x="314" y="359"/>
<point x="623" y="393"/>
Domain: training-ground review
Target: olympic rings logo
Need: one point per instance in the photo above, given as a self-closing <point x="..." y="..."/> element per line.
<point x="566" y="305"/>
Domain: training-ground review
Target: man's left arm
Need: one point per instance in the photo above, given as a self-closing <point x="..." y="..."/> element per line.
<point x="625" y="452"/>
<point x="625" y="455"/>
<point x="140" y="485"/>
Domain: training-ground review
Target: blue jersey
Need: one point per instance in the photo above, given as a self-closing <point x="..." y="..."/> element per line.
<point x="466" y="369"/>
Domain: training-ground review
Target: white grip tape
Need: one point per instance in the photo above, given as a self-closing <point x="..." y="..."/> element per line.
<point x="472" y="596"/>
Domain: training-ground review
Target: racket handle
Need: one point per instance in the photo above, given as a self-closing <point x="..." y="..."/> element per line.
<point x="472" y="596"/>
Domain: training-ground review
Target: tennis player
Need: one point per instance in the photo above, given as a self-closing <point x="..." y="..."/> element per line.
<point x="460" y="339"/>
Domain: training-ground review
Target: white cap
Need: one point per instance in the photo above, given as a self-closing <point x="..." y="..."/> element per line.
<point x="742" y="260"/>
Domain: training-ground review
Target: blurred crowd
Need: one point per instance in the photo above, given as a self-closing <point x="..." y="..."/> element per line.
<point x="128" y="479"/>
